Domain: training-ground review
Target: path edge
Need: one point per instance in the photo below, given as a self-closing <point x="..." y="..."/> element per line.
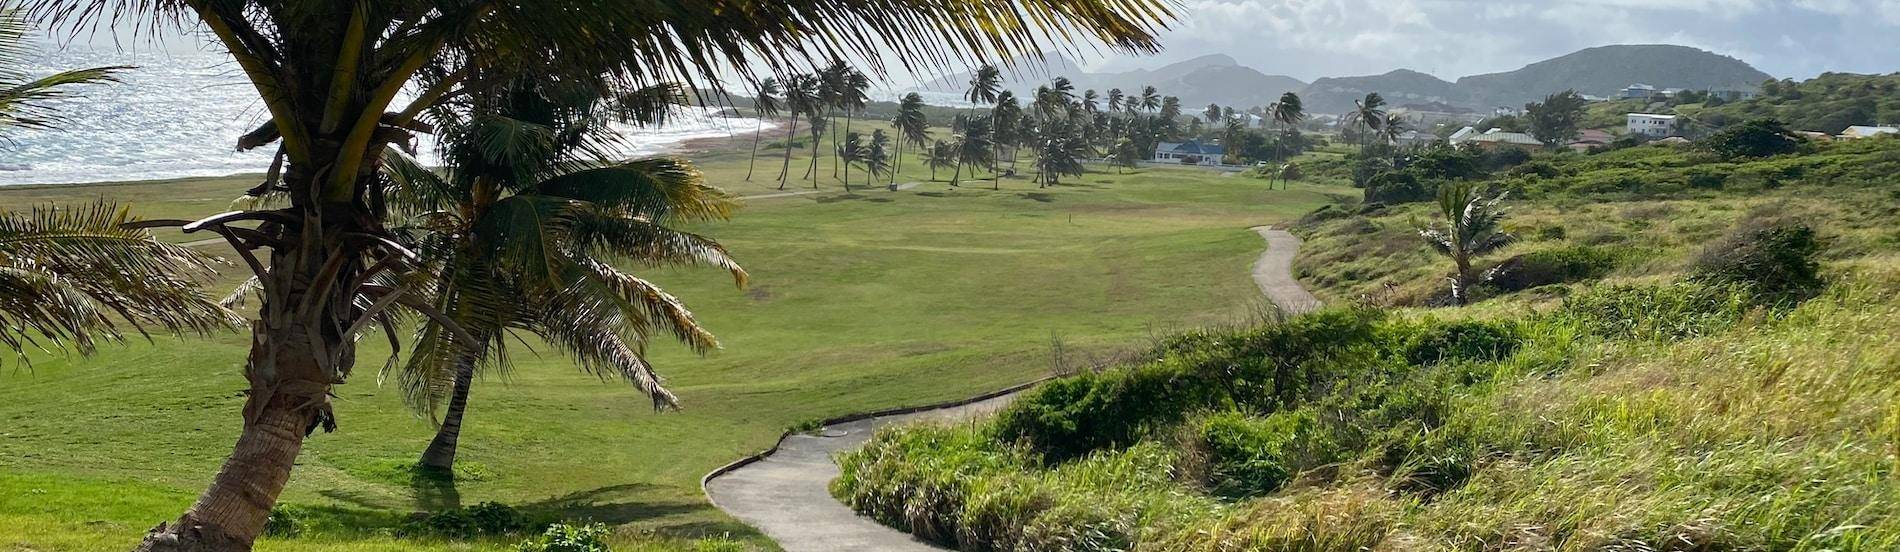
<point x="898" y="411"/>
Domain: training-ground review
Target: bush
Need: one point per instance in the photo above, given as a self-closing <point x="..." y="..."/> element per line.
<point x="1249" y="456"/>
<point x="1552" y="266"/>
<point x="1755" y="138"/>
<point x="485" y="519"/>
<point x="285" y="522"/>
<point x="1774" y="260"/>
<point x="1463" y="340"/>
<point x="1397" y="187"/>
<point x="562" y="537"/>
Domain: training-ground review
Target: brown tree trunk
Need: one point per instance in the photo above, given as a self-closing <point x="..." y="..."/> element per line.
<point x="441" y="452"/>
<point x="230" y="515"/>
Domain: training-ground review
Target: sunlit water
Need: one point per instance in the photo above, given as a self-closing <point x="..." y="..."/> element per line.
<point x="180" y="114"/>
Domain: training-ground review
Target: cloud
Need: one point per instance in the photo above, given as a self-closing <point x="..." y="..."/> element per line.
<point x="1453" y="38"/>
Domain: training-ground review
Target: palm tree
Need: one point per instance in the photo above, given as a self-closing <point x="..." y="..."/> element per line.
<point x="1150" y="99"/>
<point x="28" y="103"/>
<point x="974" y="145"/>
<point x="817" y="130"/>
<point x="1285" y="113"/>
<point x="1390" y="127"/>
<point x="984" y="84"/>
<point x="912" y="128"/>
<point x="1005" y="128"/>
<point x="833" y="81"/>
<point x="1368" y="114"/>
<point x="330" y="73"/>
<point x="1061" y="153"/>
<point x="1115" y="100"/>
<point x="801" y="97"/>
<point x="1091" y="102"/>
<point x="877" y="157"/>
<point x="520" y="232"/>
<point x="766" y="102"/>
<point x="1127" y="154"/>
<point x="852" y="151"/>
<point x="853" y="98"/>
<point x="941" y="155"/>
<point x="1211" y="113"/>
<point x="1472" y="228"/>
<point x="71" y="276"/>
<point x="1233" y="134"/>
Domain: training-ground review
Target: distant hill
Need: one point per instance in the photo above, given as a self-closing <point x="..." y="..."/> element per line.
<point x="1336" y="94"/>
<point x="1218" y="78"/>
<point x="1604" y="70"/>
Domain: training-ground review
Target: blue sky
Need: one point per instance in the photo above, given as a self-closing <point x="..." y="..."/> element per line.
<point x="1453" y="38"/>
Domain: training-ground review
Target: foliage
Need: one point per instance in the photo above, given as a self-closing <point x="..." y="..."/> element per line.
<point x="562" y="537"/>
<point x="485" y="519"/>
<point x="1827" y="103"/>
<point x="1676" y="311"/>
<point x="1462" y="341"/>
<point x="1249" y="456"/>
<point x="1557" y="119"/>
<point x="1558" y="265"/>
<point x="285" y="522"/>
<point x="1755" y="138"/>
<point x="1774" y="260"/>
<point x="32" y="102"/>
<point x="1472" y="227"/>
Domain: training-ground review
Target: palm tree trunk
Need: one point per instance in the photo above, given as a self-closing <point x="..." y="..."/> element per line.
<point x="847" y="163"/>
<point x="785" y="172"/>
<point x="441" y="452"/>
<point x="756" y="135"/>
<point x="231" y="513"/>
<point x="812" y="171"/>
<point x="957" y="176"/>
<point x="1461" y="280"/>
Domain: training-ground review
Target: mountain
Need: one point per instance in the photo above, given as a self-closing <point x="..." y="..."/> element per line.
<point x="1216" y="78"/>
<point x="1334" y="95"/>
<point x="1604" y="70"/>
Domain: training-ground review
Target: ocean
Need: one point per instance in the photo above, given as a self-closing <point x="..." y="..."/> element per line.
<point x="179" y="114"/>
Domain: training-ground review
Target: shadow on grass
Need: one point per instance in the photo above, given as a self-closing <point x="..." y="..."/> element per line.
<point x="1039" y="197"/>
<point x="852" y="196"/>
<point x="356" y="514"/>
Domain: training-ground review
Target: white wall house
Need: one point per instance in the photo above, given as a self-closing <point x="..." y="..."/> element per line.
<point x="1864" y="131"/>
<point x="1652" y="125"/>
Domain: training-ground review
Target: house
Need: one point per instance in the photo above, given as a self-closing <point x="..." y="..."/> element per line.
<point x="1462" y="135"/>
<point x="1652" y="125"/>
<point x="1638" y="90"/>
<point x="1495" y="139"/>
<point x="1191" y="152"/>
<point x="1416" y="138"/>
<point x="1590" y="138"/>
<point x="1860" y="131"/>
<point x="1815" y="135"/>
<point x="1732" y="95"/>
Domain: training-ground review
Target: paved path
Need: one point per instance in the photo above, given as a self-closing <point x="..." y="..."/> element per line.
<point x="786" y="494"/>
<point x="1274" y="272"/>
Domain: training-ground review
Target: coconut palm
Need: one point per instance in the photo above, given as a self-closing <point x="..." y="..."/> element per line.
<point x="1473" y="221"/>
<point x="1091" y="102"/>
<point x="520" y="231"/>
<point x="1060" y="153"/>
<point x="1115" y="104"/>
<point x="912" y="127"/>
<point x="72" y="276"/>
<point x="1390" y="127"/>
<point x="853" y="98"/>
<point x="1212" y="113"/>
<point x="765" y="101"/>
<point x="984" y="84"/>
<point x="1234" y="134"/>
<point x="877" y="157"/>
<point x="833" y="82"/>
<point x="1150" y="99"/>
<point x="1368" y="114"/>
<point x="975" y="146"/>
<point x="851" y="151"/>
<point x="801" y="97"/>
<point x="941" y="155"/>
<point x="819" y="125"/>
<point x="1286" y="113"/>
<point x="330" y="75"/>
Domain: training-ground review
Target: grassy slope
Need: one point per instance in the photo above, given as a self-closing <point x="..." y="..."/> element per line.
<point x="860" y="302"/>
<point x="1776" y="431"/>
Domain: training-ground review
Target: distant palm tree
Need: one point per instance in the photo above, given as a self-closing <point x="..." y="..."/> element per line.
<point x="1061" y="154"/>
<point x="877" y="157"/>
<point x="1234" y="134"/>
<point x="984" y="84"/>
<point x="941" y="155"/>
<point x="851" y="151"/>
<point x="853" y="98"/>
<point x="1369" y="115"/>
<point x="1005" y="129"/>
<point x="1286" y="113"/>
<point x="1472" y="228"/>
<point x="520" y="232"/>
<point x="1211" y="113"/>
<point x="912" y="126"/>
<point x="834" y="83"/>
<point x="817" y="129"/>
<point x="1091" y="102"/>
<point x="1115" y="100"/>
<point x="975" y="147"/>
<point x="1391" y="127"/>
<point x="801" y="97"/>
<point x="1150" y="99"/>
<point x="766" y="102"/>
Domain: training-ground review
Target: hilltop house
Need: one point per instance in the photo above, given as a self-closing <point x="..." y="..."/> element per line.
<point x="1495" y="139"/>
<point x="1861" y="131"/>
<point x="1590" y="138"/>
<point x="1652" y="125"/>
<point x="1638" y="90"/>
<point x="1191" y="152"/>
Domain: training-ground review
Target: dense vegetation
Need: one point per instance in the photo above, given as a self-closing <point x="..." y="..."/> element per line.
<point x="1828" y="103"/>
<point x="1655" y="366"/>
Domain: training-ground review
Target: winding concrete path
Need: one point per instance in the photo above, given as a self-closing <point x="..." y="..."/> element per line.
<point x="785" y="494"/>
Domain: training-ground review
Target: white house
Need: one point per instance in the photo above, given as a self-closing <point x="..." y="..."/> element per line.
<point x="1639" y="90"/>
<point x="1652" y="125"/>
<point x="1860" y="131"/>
<point x="1495" y="139"/>
<point x="1191" y="152"/>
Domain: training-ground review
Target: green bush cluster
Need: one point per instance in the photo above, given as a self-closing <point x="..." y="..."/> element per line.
<point x="1773" y="260"/>
<point x="1250" y="456"/>
<point x="485" y="519"/>
<point x="1560" y="265"/>
<point x="1673" y="311"/>
<point x="562" y="537"/>
<point x="1462" y="341"/>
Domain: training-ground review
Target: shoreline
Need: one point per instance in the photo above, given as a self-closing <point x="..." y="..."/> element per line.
<point x="688" y="147"/>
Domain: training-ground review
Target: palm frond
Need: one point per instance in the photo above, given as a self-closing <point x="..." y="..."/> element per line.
<point x="661" y="188"/>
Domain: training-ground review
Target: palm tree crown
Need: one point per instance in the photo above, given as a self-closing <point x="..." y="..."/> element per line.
<point x="1473" y="227"/>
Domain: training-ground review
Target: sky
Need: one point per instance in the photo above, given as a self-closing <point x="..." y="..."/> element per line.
<point x="1308" y="39"/>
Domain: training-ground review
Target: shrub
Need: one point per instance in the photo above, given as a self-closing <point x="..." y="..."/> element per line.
<point x="487" y="518"/>
<point x="1774" y="260"/>
<point x="1072" y="417"/>
<point x="1552" y="266"/>
<point x="285" y="522"/>
<point x="1323" y="214"/>
<point x="1397" y="187"/>
<point x="1462" y="340"/>
<point x="1755" y="138"/>
<point x="562" y="537"/>
<point x="1249" y="456"/>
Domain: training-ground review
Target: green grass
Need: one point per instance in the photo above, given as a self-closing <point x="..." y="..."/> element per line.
<point x="859" y="302"/>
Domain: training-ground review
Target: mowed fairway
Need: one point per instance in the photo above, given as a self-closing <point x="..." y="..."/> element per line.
<point x="858" y="302"/>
